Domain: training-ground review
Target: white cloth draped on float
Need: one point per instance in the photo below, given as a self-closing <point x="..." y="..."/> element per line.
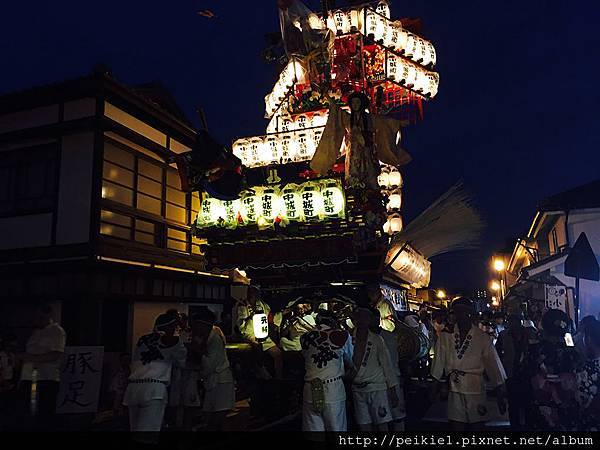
<point x="386" y="140"/>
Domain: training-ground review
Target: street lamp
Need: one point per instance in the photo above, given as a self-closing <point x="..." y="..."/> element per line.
<point x="495" y="301"/>
<point x="495" y="286"/>
<point x="499" y="265"/>
<point x="441" y="294"/>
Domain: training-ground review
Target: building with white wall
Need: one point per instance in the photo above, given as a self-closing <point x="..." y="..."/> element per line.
<point x="538" y="260"/>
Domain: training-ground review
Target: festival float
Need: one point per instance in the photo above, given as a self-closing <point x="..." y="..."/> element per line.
<point x="319" y="205"/>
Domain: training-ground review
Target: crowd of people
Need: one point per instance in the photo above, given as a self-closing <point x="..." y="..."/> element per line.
<point x="546" y="375"/>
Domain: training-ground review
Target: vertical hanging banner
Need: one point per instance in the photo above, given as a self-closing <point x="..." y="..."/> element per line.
<point x="80" y="379"/>
<point x="556" y="297"/>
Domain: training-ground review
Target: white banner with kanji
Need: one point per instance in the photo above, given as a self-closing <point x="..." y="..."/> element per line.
<point x="80" y="380"/>
<point x="556" y="297"/>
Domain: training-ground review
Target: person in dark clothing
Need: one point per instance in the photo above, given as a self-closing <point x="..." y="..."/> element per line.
<point x="512" y="346"/>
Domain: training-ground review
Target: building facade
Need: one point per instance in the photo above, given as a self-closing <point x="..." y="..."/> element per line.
<point x="536" y="270"/>
<point x="92" y="217"/>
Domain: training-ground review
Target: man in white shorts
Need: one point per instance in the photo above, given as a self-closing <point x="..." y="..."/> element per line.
<point x="327" y="353"/>
<point x="375" y="381"/>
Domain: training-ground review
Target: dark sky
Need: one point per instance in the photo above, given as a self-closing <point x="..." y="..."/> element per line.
<point x="516" y="116"/>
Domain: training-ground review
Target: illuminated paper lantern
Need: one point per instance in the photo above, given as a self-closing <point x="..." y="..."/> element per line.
<point x="272" y="154"/>
<point x="318" y="119"/>
<point x="269" y="204"/>
<point x="301" y="122"/>
<point x="291" y="202"/>
<point x="402" y="39"/>
<point x="433" y="80"/>
<point x="240" y="149"/>
<point x="250" y="207"/>
<point x="312" y="201"/>
<point x="394" y="201"/>
<point x="341" y="21"/>
<point x="317" y="133"/>
<point x="383" y="9"/>
<point x="305" y="147"/>
<point x="392" y="67"/>
<point x="386" y="227"/>
<point x="392" y="37"/>
<point x="232" y="210"/>
<point x="212" y="211"/>
<point x="371" y="22"/>
<point x="333" y="200"/>
<point x="287" y="146"/>
<point x="256" y="151"/>
<point x="382" y="29"/>
<point x="395" y="177"/>
<point x="260" y="324"/>
<point x="384" y="178"/>
<point x="287" y="124"/>
<point x="432" y="54"/>
<point x="355" y="19"/>
<point x="395" y="223"/>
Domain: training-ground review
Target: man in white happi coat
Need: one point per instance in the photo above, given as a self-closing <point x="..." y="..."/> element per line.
<point x="375" y="381"/>
<point x="327" y="353"/>
<point x="461" y="358"/>
<point x="387" y="324"/>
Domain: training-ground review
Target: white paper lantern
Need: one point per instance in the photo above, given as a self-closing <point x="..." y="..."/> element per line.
<point x="392" y="37"/>
<point x="301" y="122"/>
<point x="272" y="151"/>
<point x="256" y="151"/>
<point x="392" y="66"/>
<point x="341" y="22"/>
<point x="318" y="119"/>
<point x="250" y="208"/>
<point x="384" y="178"/>
<point x="287" y="146"/>
<point x="370" y="22"/>
<point x="395" y="178"/>
<point x="317" y="133"/>
<point x="383" y="9"/>
<point x="355" y="19"/>
<point x="291" y="202"/>
<point x="232" y="210"/>
<point x="394" y="201"/>
<point x="312" y="201"/>
<point x="333" y="200"/>
<point x="395" y="223"/>
<point x="240" y="149"/>
<point x="402" y="40"/>
<point x="305" y="147"/>
<point x="260" y="324"/>
<point x="269" y="202"/>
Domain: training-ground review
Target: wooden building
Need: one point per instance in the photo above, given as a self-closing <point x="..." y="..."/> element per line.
<point x="92" y="218"/>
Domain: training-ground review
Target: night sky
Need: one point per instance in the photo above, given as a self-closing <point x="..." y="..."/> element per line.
<point x="516" y="117"/>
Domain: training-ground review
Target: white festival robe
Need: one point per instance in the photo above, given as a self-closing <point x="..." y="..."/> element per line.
<point x="466" y="402"/>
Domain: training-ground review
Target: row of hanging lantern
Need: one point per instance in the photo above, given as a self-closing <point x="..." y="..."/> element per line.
<point x="376" y="24"/>
<point x="294" y="72"/>
<point x="285" y="122"/>
<point x="278" y="148"/>
<point x="411" y="76"/>
<point x="390" y="181"/>
<point x="265" y="205"/>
